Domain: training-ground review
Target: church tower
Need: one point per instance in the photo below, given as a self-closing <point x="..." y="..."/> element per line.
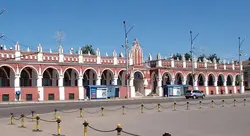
<point x="136" y="53"/>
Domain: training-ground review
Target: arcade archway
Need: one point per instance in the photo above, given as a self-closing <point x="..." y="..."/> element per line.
<point x="138" y="82"/>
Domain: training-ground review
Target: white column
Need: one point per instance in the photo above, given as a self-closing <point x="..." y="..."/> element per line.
<point x="184" y="80"/>
<point x="80" y="88"/>
<point x="225" y="86"/>
<point x="132" y="88"/>
<point x="217" y="88"/>
<point x="61" y="88"/>
<point x="114" y="82"/>
<point x="17" y="86"/>
<point x="206" y="86"/>
<point x="159" y="86"/>
<point x="172" y="81"/>
<point x="196" y="83"/>
<point x="233" y="84"/>
<point x="40" y="88"/>
<point x="98" y="80"/>
<point x="242" y="88"/>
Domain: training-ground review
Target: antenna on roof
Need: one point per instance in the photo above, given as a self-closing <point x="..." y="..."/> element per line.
<point x="59" y="37"/>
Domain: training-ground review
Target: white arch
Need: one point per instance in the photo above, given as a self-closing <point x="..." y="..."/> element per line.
<point x="168" y="73"/>
<point x="212" y="74"/>
<point x="9" y="67"/>
<point x="5" y="72"/>
<point x="121" y="70"/>
<point x="223" y="77"/>
<point x="71" y="68"/>
<point x="26" y="72"/>
<point x="108" y="69"/>
<point x="29" y="66"/>
<point x="52" y="68"/>
<point x="139" y="72"/>
<point x="202" y="75"/>
<point x="179" y="72"/>
<point x="89" y="68"/>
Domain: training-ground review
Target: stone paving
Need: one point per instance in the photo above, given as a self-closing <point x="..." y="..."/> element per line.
<point x="218" y="121"/>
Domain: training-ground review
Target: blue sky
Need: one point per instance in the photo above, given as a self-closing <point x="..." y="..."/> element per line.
<point x="160" y="26"/>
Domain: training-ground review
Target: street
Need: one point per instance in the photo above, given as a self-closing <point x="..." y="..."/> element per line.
<point x="6" y="109"/>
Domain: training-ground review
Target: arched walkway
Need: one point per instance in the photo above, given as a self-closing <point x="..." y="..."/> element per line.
<point x="153" y="82"/>
<point x="166" y="79"/>
<point x="28" y="77"/>
<point x="229" y="80"/>
<point x="201" y="80"/>
<point x="50" y="77"/>
<point x="89" y="77"/>
<point x="122" y="81"/>
<point x="138" y="82"/>
<point x="237" y="80"/>
<point x="71" y="77"/>
<point x="211" y="80"/>
<point x="107" y="77"/>
<point x="178" y="79"/>
<point x="189" y="79"/>
<point x="7" y="77"/>
<point x="220" y="80"/>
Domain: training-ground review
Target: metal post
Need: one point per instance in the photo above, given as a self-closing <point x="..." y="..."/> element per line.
<point x="192" y="61"/>
<point x="127" y="55"/>
<point x="240" y="43"/>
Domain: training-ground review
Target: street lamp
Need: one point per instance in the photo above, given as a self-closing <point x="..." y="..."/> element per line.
<point x="126" y="47"/>
<point x="192" y="47"/>
<point x="240" y="43"/>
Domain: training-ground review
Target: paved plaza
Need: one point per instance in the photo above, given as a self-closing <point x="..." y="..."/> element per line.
<point x="218" y="121"/>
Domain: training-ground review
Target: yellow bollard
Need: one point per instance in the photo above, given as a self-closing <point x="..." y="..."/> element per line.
<point x="234" y="102"/>
<point x="166" y="134"/>
<point x="22" y="121"/>
<point x="212" y="103"/>
<point x="102" y="108"/>
<point x="58" y="126"/>
<point x="200" y="104"/>
<point x="187" y="106"/>
<point x="55" y="114"/>
<point x="159" y="107"/>
<point x="85" y="124"/>
<point x="142" y="107"/>
<point x="32" y="115"/>
<point x="245" y="102"/>
<point x="37" y="128"/>
<point x="11" y="118"/>
<point x="123" y="110"/>
<point x="223" y="102"/>
<point x="118" y="129"/>
<point x="174" y="106"/>
<point x="81" y="115"/>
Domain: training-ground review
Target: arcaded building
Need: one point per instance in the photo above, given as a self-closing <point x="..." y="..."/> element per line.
<point x="45" y="75"/>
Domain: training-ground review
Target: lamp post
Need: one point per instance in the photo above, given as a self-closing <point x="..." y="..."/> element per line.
<point x="192" y="47"/>
<point x="126" y="47"/>
<point x="2" y="11"/>
<point x="240" y="43"/>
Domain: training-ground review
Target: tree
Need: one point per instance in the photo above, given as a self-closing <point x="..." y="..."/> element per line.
<point x="187" y="56"/>
<point x="212" y="57"/>
<point x="177" y="56"/>
<point x="249" y="58"/>
<point x="201" y="57"/>
<point x="88" y="48"/>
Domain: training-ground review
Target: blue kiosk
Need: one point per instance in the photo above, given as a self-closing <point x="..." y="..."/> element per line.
<point x="174" y="90"/>
<point x="102" y="91"/>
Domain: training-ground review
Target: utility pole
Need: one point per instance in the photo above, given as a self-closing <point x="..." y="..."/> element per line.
<point x="240" y="43"/>
<point x="192" y="54"/>
<point x="127" y="55"/>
